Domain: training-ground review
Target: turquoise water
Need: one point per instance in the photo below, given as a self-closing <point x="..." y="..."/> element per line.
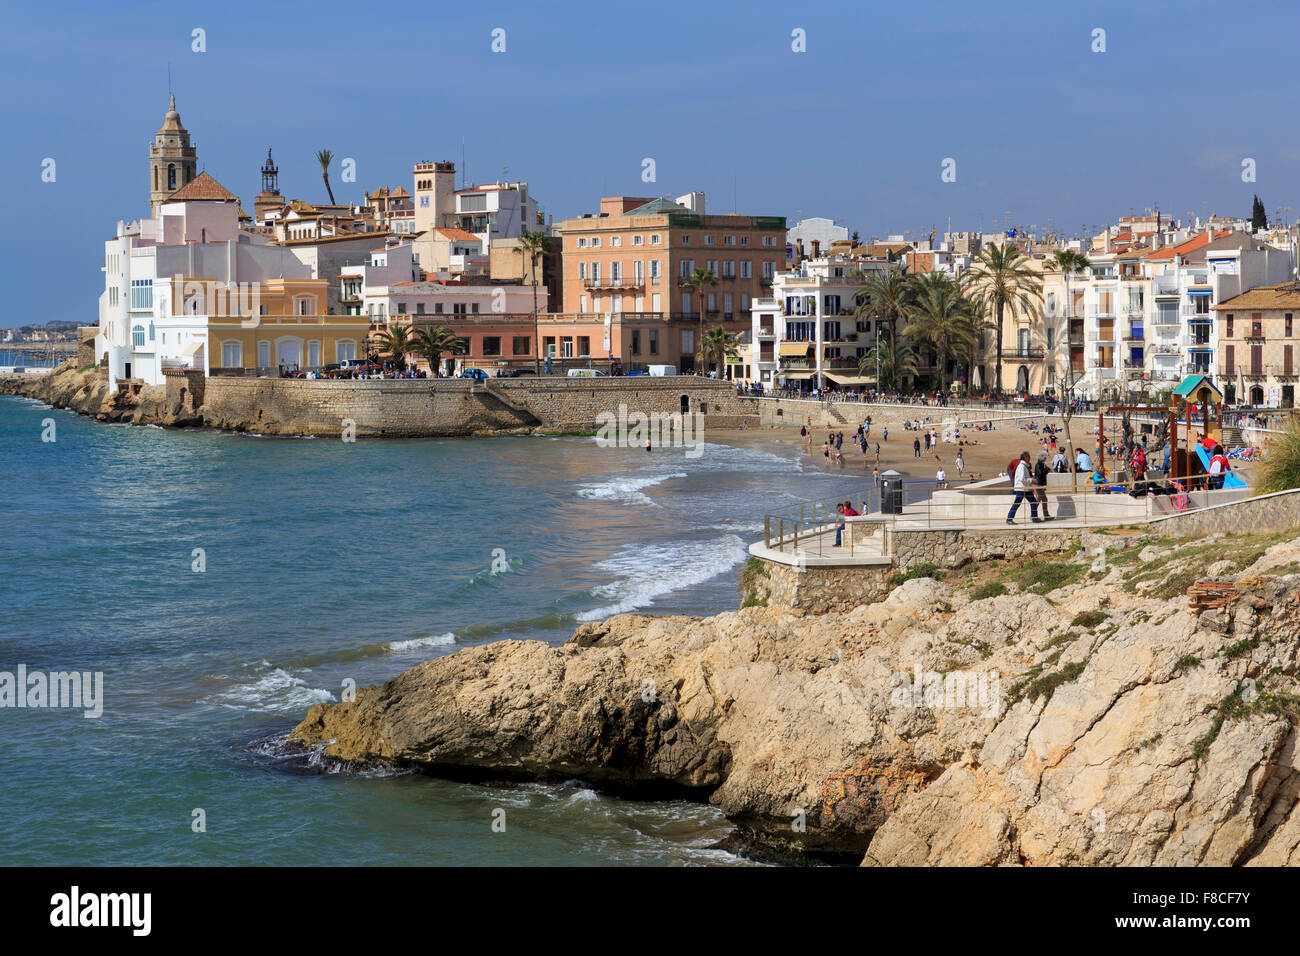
<point x="328" y="561"/>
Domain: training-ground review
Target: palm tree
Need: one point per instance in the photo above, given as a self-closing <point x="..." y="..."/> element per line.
<point x="939" y="315"/>
<point x="717" y="346"/>
<point x="1004" y="274"/>
<point x="532" y="245"/>
<point x="977" y="316"/>
<point x="433" y="342"/>
<point x="893" y="359"/>
<point x="698" y="281"/>
<point x="885" y="298"/>
<point x="397" y="341"/>
<point x="325" y="157"/>
<point x="1068" y="263"/>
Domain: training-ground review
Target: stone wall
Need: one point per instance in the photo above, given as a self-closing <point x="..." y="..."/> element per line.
<point x="821" y="590"/>
<point x="1275" y="512"/>
<point x="953" y="548"/>
<point x="455" y="407"/>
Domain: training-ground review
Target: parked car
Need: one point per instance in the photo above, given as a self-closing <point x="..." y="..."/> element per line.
<point x="636" y="371"/>
<point x="585" y="373"/>
<point x="477" y="374"/>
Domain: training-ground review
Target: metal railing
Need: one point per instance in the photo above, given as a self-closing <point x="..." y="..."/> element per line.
<point x="809" y="528"/>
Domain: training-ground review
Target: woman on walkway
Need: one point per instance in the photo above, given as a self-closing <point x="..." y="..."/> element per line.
<point x="1040" y="482"/>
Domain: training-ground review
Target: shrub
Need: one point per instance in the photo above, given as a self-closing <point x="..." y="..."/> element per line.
<point x="1088" y="619"/>
<point x="990" y="590"/>
<point x="1280" y="468"/>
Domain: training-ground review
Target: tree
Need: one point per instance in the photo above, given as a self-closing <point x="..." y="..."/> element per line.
<point x="433" y="342"/>
<point x="532" y="245"/>
<point x="1004" y="275"/>
<point x="698" y="281"/>
<point x="1258" y="218"/>
<point x="939" y="315"/>
<point x="854" y="238"/>
<point x="397" y="342"/>
<point x="885" y="298"/>
<point x="1068" y="263"/>
<point x="325" y="157"/>
<point x="717" y="346"/>
<point x="888" y="361"/>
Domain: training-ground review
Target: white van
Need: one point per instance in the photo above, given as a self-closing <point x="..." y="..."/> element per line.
<point x="661" y="370"/>
<point x="585" y="373"/>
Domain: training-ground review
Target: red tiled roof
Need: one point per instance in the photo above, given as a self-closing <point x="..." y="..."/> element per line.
<point x="203" y="188"/>
<point x="457" y="234"/>
<point x="1185" y="247"/>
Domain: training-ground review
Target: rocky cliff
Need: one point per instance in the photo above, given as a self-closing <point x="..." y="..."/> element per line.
<point x="85" y="391"/>
<point x="1068" y="712"/>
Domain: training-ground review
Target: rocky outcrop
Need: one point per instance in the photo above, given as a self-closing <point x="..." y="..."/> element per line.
<point x="1103" y="722"/>
<point x="85" y="391"/>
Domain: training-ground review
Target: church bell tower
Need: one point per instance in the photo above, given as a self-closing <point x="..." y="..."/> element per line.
<point x="172" y="159"/>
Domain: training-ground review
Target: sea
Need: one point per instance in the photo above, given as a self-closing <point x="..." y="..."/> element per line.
<point x="223" y="583"/>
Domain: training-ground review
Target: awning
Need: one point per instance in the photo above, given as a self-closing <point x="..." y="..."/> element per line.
<point x="839" y="378"/>
<point x="193" y="348"/>
<point x="796" y="374"/>
<point x="794" y="348"/>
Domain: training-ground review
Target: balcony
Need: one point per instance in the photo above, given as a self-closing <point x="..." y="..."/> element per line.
<point x="1074" y="339"/>
<point x="766" y="332"/>
<point x="615" y="282"/>
<point x="1255" y="334"/>
<point x="1191" y="313"/>
<point x="1102" y="335"/>
<point x="1134" y="334"/>
<point x="1165" y="285"/>
<point x="1031" y="354"/>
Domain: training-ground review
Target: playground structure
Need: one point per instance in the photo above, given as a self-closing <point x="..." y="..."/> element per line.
<point x="1189" y="456"/>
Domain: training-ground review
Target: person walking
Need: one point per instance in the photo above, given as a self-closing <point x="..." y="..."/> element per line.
<point x="1022" y="487"/>
<point x="916" y="448"/>
<point x="1040" y="481"/>
<point x="960" y="463"/>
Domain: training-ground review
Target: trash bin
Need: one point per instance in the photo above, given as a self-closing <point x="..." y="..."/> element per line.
<point x="891" y="493"/>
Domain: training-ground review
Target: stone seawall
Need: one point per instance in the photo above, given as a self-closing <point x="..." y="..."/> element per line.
<point x="955" y="548"/>
<point x="434" y="407"/>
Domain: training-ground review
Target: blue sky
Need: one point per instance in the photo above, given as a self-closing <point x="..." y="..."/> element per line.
<point x="855" y="128"/>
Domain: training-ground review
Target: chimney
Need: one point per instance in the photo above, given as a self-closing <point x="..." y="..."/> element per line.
<point x="1106" y="243"/>
<point x="817" y="248"/>
<point x="799" y="249"/>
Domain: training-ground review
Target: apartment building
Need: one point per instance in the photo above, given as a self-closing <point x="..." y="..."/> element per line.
<point x="1259" y="346"/>
<point x="491" y="211"/>
<point x="631" y="258"/>
<point x="807" y="333"/>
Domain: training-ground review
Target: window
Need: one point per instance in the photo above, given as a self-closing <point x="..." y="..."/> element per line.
<point x="746" y="269"/>
<point x="584" y="345"/>
<point x="744" y="240"/>
<point x="616" y="272"/>
<point x="687" y="267"/>
<point x="582" y="242"/>
<point x="474" y="307"/>
<point x="137" y="336"/>
<point x="437" y="308"/>
<point x="1228" y="333"/>
<point x="171" y="175"/>
<point x="346" y="350"/>
<point x="686" y="240"/>
<point x="491" y="345"/>
<point x="232" y="355"/>
<point x="582" y="304"/>
<point x="1051" y="338"/>
<point x="595" y="242"/>
<point x="419" y="308"/>
<point x="523" y="345"/>
<point x="638" y="240"/>
<point x="636" y="341"/>
<point x="264" y="354"/>
<point x="655" y="240"/>
<point x="769" y="240"/>
<point x="769" y="269"/>
<point x="142" y="293"/>
<point x="1287" y="317"/>
<point x="548" y="345"/>
<point x="616" y="241"/>
<point x="729" y="241"/>
<point x="401" y="308"/>
<point x="708" y="240"/>
<point x="712" y="303"/>
<point x="712" y="266"/>
<point x="582" y="270"/>
<point x="729" y="269"/>
<point x="654" y="271"/>
<point x="638" y="270"/>
<point x="566" y="347"/>
<point x="458" y="308"/>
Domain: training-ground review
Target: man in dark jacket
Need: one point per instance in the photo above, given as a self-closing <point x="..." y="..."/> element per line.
<point x="1040" y="482"/>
